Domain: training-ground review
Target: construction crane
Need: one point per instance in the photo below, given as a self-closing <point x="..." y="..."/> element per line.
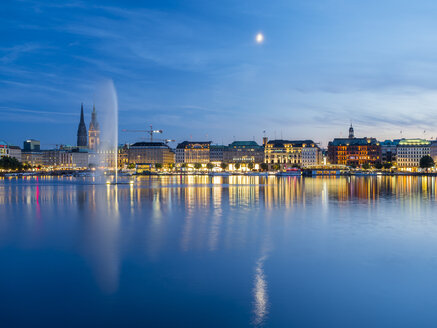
<point x="150" y="132"/>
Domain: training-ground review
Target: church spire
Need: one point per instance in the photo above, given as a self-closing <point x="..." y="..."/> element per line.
<point x="82" y="138"/>
<point x="82" y="120"/>
<point x="351" y="132"/>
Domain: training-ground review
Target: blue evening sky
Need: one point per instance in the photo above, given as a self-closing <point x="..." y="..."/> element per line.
<point x="193" y="68"/>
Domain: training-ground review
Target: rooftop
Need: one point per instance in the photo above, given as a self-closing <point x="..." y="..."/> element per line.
<point x="244" y="144"/>
<point x="353" y="142"/>
<point x="149" y="145"/>
<point x="295" y="143"/>
<point x="193" y="144"/>
<point x="414" y="142"/>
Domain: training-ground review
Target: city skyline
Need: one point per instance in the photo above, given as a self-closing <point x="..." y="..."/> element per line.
<point x="196" y="69"/>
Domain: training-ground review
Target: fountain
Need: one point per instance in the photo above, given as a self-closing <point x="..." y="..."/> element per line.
<point x="107" y="150"/>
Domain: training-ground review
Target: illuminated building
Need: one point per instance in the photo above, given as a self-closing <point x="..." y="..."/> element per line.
<point x="15" y="151"/>
<point x="410" y="151"/>
<point x="244" y="152"/>
<point x="65" y="158"/>
<point x="94" y="131"/>
<point x="388" y="151"/>
<point x="291" y="153"/>
<point x="123" y="159"/>
<point x="33" y="158"/>
<point x="150" y="153"/>
<point x="31" y="153"/>
<point x="354" y="151"/>
<point x="4" y="149"/>
<point x="82" y="138"/>
<point x="433" y="150"/>
<point x="10" y="151"/>
<point x="216" y="153"/>
<point x="192" y="152"/>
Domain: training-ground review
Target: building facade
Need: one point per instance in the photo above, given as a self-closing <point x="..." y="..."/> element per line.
<point x="244" y="152"/>
<point x="65" y="158"/>
<point x="216" y="153"/>
<point x="150" y="153"/>
<point x="410" y="151"/>
<point x="291" y="153"/>
<point x="34" y="158"/>
<point x="354" y="152"/>
<point x="389" y="151"/>
<point x="433" y="150"/>
<point x="192" y="152"/>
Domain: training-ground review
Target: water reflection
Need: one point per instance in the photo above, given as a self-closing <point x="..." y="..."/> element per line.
<point x="192" y="222"/>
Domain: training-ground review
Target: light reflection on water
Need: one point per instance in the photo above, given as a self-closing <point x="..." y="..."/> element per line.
<point x="189" y="245"/>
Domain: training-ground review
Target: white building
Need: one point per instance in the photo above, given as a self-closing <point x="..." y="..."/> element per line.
<point x="410" y="151"/>
<point x="10" y="151"/>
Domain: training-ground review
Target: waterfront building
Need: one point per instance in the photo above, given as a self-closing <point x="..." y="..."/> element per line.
<point x="292" y="153"/>
<point x="94" y="131"/>
<point x="10" y="151"/>
<point x="192" y="152"/>
<point x="82" y="138"/>
<point x="15" y="151"/>
<point x="244" y="152"/>
<point x="34" y="158"/>
<point x="4" y="149"/>
<point x="410" y="151"/>
<point x="433" y="150"/>
<point x="216" y="153"/>
<point x="123" y="159"/>
<point x="65" y="158"/>
<point x="150" y="153"/>
<point x="389" y="150"/>
<point x="31" y="153"/>
<point x="354" y="151"/>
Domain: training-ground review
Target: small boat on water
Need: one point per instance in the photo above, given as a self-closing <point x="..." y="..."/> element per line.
<point x="290" y="172"/>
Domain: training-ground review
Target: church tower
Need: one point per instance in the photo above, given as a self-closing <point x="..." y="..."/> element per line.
<point x="81" y="130"/>
<point x="94" y="131"/>
<point x="351" y="132"/>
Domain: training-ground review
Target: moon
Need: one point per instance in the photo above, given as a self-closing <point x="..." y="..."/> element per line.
<point x="259" y="38"/>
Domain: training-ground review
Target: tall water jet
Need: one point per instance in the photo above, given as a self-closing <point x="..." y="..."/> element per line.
<point x="106" y="101"/>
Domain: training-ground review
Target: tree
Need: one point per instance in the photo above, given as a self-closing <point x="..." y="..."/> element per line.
<point x="209" y="166"/>
<point x="378" y="166"/>
<point x="250" y="166"/>
<point x="426" y="162"/>
<point x="197" y="166"/>
<point x="10" y="163"/>
<point x="388" y="165"/>
<point x="130" y="166"/>
<point x="158" y="166"/>
<point x="184" y="165"/>
<point x="237" y="166"/>
<point x="224" y="166"/>
<point x="365" y="166"/>
<point x="171" y="166"/>
<point x="276" y="167"/>
<point x="264" y="166"/>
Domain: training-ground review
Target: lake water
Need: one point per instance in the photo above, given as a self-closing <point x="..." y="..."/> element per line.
<point x="219" y="252"/>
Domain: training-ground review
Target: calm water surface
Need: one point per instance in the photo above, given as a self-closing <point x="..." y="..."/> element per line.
<point x="219" y="252"/>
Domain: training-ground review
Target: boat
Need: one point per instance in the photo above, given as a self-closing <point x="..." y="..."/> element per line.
<point x="290" y="172"/>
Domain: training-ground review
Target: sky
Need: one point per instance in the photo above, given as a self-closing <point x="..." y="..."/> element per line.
<point x="194" y="69"/>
